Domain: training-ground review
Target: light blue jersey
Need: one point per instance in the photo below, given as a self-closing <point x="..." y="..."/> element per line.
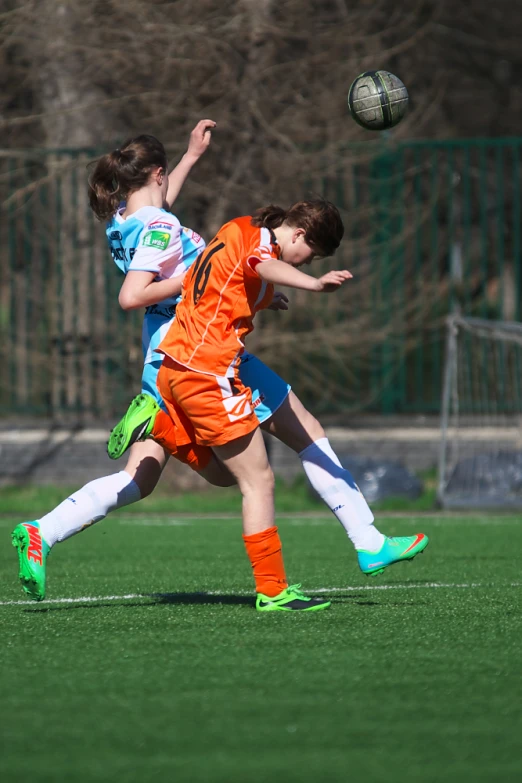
<point x="153" y="240"/>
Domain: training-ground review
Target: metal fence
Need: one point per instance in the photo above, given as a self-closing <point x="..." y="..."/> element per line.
<point x="428" y="225"/>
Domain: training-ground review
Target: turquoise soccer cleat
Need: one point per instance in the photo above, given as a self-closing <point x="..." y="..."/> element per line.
<point x="136" y="425"/>
<point x="394" y="550"/>
<point x="32" y="555"/>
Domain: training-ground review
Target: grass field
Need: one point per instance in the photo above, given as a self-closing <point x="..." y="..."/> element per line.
<point x="148" y="661"/>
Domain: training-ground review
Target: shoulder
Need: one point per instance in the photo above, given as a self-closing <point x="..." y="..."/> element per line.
<point x="242" y="225"/>
<point x="158" y="219"/>
<point x="188" y="235"/>
<point x="160" y="229"/>
<point x="239" y="231"/>
<point x="254" y="236"/>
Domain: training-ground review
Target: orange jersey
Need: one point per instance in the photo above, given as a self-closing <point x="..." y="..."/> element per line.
<point x="221" y="294"/>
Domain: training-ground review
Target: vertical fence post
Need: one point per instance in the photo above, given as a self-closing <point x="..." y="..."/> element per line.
<point x="450" y="375"/>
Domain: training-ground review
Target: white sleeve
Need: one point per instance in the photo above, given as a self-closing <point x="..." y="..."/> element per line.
<point x="259" y="254"/>
<point x="159" y="245"/>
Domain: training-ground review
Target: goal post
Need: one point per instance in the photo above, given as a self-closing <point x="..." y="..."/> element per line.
<point x="480" y="461"/>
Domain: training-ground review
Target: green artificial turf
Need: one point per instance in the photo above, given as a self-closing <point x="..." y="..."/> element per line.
<point x="184" y="681"/>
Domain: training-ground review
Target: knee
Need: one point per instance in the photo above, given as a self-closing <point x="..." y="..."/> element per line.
<point x="312" y="432"/>
<point x="270" y="479"/>
<point x="262" y="481"/>
<point x="314" y="429"/>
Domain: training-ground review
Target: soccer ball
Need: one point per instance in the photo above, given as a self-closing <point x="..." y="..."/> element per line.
<point x="377" y="100"/>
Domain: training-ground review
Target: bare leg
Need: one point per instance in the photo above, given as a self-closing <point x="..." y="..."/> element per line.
<point x="145" y="465"/>
<point x="217" y="474"/>
<point x="300" y="430"/>
<point x="294" y="425"/>
<point x="247" y="461"/>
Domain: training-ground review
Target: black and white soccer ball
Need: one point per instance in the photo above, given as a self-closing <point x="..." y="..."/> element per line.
<point x="378" y="100"/>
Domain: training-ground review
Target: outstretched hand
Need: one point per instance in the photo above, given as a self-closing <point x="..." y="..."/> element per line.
<point x="200" y="138"/>
<point x="279" y="302"/>
<point x="331" y="281"/>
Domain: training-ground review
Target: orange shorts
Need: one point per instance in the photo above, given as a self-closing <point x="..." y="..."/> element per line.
<point x="196" y="457"/>
<point x="207" y="410"/>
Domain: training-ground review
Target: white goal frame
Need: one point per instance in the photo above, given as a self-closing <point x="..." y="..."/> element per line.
<point x="471" y="436"/>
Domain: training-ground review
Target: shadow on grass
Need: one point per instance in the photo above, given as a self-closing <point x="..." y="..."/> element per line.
<point x="193" y="599"/>
<point x="154" y="599"/>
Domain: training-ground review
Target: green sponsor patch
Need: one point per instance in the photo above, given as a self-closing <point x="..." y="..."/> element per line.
<point x="157" y="239"/>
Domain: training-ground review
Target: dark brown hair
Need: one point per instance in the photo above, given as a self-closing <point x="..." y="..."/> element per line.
<point x="122" y="171"/>
<point x="320" y="220"/>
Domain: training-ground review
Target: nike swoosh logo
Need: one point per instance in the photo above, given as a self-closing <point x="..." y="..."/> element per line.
<point x="419" y="537"/>
<point x="141" y="432"/>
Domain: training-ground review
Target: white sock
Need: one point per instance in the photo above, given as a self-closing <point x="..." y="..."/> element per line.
<point x="336" y="487"/>
<point x="87" y="506"/>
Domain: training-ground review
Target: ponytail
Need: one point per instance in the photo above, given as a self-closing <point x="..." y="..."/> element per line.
<point x="269" y="217"/>
<point x="104" y="187"/>
<point x="121" y="172"/>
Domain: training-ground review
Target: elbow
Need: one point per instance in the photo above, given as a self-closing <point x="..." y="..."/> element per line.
<point x="127" y="301"/>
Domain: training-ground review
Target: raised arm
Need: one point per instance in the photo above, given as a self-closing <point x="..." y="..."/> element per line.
<point x="280" y="273"/>
<point x="198" y="144"/>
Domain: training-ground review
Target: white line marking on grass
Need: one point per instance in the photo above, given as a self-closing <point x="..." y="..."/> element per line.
<point x="298" y="520"/>
<point x="148" y="522"/>
<point x="428" y="585"/>
<point x="82" y="600"/>
<point x="347" y="589"/>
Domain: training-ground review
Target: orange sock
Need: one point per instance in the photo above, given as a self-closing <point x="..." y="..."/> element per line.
<point x="265" y="553"/>
<point x="164" y="432"/>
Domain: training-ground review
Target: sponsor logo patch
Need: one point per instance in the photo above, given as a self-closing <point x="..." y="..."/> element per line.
<point x="34" y="550"/>
<point x="158" y="239"/>
<point x="192" y="234"/>
<point x="159" y="225"/>
<point x="256" y="403"/>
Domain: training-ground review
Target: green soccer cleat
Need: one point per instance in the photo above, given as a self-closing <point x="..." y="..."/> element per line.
<point x="394" y="550"/>
<point x="290" y="600"/>
<point x="32" y="554"/>
<point x="136" y="425"/>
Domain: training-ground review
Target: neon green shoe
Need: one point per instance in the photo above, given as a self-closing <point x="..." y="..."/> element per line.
<point x="136" y="425"/>
<point x="290" y="600"/>
<point x="32" y="554"/>
<point x="392" y="551"/>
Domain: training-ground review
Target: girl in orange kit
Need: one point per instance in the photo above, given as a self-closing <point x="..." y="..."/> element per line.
<point x="199" y="382"/>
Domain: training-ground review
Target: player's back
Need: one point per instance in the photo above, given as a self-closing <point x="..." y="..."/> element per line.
<point x="221" y="295"/>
